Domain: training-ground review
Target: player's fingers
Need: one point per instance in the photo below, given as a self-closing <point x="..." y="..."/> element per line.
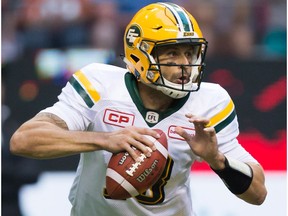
<point x="142" y="146"/>
<point x="199" y="123"/>
<point x="197" y="119"/>
<point x="181" y="132"/>
<point x="198" y="126"/>
<point x="210" y="130"/>
<point x="147" y="137"/>
<point x="189" y="115"/>
<point x="132" y="153"/>
<point x="149" y="132"/>
<point x="148" y="141"/>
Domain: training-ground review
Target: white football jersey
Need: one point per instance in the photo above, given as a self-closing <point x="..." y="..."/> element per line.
<point x="104" y="98"/>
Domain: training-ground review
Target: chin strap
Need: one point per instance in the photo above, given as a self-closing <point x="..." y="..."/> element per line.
<point x="129" y="65"/>
<point x="176" y="94"/>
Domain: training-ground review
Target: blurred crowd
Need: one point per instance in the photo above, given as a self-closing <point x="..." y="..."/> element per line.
<point x="244" y="29"/>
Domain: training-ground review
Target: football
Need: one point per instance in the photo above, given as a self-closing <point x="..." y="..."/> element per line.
<point x="127" y="178"/>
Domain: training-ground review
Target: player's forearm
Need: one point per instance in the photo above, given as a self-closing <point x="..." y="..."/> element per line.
<point x="245" y="180"/>
<point x="37" y="139"/>
<point x="256" y="192"/>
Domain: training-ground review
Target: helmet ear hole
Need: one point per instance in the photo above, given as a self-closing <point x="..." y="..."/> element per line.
<point x="135" y="58"/>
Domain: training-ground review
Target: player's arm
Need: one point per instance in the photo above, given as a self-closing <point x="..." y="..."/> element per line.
<point x="244" y="180"/>
<point x="47" y="136"/>
<point x="256" y="192"/>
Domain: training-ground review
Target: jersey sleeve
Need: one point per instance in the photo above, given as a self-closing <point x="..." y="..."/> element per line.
<point x="225" y="123"/>
<point x="76" y="100"/>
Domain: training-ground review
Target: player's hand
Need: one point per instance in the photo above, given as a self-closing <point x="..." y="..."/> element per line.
<point x="126" y="138"/>
<point x="204" y="142"/>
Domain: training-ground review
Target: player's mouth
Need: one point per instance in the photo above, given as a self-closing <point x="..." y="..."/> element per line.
<point x="182" y="79"/>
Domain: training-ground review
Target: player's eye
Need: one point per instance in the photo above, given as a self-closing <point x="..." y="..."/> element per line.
<point x="189" y="54"/>
<point x="172" y="53"/>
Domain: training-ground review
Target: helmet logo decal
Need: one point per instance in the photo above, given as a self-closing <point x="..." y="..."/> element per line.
<point x="188" y="34"/>
<point x="132" y="33"/>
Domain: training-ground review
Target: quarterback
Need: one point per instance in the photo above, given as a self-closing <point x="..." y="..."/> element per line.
<point x="105" y="109"/>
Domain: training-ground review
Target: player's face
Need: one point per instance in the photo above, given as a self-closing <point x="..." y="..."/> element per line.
<point x="176" y="57"/>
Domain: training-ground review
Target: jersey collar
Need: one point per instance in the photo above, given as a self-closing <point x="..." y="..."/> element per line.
<point x="152" y="117"/>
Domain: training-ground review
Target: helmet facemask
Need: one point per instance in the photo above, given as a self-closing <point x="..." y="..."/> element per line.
<point x="191" y="73"/>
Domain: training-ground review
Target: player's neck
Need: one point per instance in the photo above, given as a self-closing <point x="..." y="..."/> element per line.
<point x="154" y="99"/>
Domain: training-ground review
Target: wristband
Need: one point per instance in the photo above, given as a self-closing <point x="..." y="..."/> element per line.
<point x="237" y="176"/>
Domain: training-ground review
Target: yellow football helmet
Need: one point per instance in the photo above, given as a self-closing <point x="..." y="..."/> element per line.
<point x="162" y="24"/>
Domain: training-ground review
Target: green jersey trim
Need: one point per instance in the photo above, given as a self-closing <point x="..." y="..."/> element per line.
<point x="131" y="85"/>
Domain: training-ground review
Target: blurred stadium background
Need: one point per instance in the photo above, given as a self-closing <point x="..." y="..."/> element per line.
<point x="45" y="41"/>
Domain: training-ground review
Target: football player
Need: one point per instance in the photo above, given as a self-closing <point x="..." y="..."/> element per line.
<point x="105" y="109"/>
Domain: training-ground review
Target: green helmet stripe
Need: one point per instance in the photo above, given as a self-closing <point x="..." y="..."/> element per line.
<point x="180" y="16"/>
<point x="184" y="20"/>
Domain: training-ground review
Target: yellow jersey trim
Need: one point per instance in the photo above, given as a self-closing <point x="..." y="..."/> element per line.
<point x="88" y="86"/>
<point x="221" y="116"/>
